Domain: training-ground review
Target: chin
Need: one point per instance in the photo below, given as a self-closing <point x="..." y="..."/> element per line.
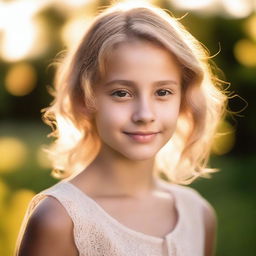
<point x="139" y="156"/>
<point x="131" y="153"/>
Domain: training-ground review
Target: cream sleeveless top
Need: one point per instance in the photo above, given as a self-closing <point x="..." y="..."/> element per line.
<point x="97" y="233"/>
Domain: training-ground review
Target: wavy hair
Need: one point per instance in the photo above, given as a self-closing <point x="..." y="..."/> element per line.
<point x="203" y="103"/>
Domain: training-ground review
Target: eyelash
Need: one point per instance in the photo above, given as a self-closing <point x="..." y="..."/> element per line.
<point x="118" y="91"/>
<point x="169" y="92"/>
<point x="165" y="90"/>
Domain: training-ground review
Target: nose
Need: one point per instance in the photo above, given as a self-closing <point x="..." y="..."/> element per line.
<point x="143" y="111"/>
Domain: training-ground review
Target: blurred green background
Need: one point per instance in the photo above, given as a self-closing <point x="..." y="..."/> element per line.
<point x="33" y="32"/>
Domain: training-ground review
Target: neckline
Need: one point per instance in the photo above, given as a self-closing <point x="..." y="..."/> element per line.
<point x="131" y="231"/>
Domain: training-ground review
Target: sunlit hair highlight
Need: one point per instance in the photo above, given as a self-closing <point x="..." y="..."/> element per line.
<point x="203" y="105"/>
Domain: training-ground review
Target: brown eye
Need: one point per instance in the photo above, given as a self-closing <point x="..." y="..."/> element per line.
<point x="120" y="94"/>
<point x="163" y="92"/>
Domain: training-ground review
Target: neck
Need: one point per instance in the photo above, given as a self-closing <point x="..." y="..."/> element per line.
<point x="119" y="175"/>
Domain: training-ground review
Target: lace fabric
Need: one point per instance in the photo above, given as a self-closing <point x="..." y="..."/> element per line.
<point x="96" y="233"/>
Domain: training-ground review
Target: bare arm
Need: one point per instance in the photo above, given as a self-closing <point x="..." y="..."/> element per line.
<point x="210" y="230"/>
<point x="49" y="231"/>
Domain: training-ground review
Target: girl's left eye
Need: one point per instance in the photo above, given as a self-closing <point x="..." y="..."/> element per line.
<point x="163" y="92"/>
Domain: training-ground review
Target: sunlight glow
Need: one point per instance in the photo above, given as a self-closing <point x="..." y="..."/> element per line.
<point x="42" y="158"/>
<point x="19" y="28"/>
<point x="74" y="29"/>
<point x="18" y="40"/>
<point x="238" y="8"/>
<point x="68" y="128"/>
<point x="21" y="79"/>
<point x="193" y="4"/>
<point x="74" y="3"/>
<point x="225" y="139"/>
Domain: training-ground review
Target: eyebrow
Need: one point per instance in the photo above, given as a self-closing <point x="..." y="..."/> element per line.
<point x="132" y="83"/>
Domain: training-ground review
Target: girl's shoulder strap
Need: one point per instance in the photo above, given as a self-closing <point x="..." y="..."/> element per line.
<point x="59" y="191"/>
<point x="192" y="197"/>
<point x="186" y="195"/>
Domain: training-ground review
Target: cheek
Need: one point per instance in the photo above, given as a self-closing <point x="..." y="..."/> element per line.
<point x="170" y="113"/>
<point x="111" y="116"/>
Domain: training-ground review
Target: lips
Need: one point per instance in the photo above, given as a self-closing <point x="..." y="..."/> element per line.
<point x="142" y="137"/>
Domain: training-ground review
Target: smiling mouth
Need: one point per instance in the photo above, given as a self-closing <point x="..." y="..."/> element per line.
<point x="142" y="137"/>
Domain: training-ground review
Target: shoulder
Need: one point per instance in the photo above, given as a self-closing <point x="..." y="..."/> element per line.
<point x="49" y="231"/>
<point x="50" y="214"/>
<point x="187" y="194"/>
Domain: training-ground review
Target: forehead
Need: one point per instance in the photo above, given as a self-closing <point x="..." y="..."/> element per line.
<point x="141" y="59"/>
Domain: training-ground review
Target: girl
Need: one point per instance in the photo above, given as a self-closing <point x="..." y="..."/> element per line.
<point x="136" y="102"/>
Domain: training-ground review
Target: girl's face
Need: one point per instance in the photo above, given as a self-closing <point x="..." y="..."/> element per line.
<point x="138" y="101"/>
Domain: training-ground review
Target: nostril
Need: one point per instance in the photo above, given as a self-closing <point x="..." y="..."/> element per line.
<point x="142" y="116"/>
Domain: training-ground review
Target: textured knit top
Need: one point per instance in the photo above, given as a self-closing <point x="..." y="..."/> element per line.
<point x="97" y="233"/>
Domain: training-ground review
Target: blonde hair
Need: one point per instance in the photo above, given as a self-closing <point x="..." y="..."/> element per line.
<point x="203" y="105"/>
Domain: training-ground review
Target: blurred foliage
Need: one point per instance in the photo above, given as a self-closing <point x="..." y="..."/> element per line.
<point x="24" y="82"/>
<point x="231" y="192"/>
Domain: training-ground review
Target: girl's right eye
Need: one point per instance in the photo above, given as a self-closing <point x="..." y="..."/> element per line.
<point x="120" y="94"/>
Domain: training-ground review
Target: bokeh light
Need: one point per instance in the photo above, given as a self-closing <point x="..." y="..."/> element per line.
<point x="3" y="193"/>
<point x="250" y="27"/>
<point x="73" y="30"/>
<point x="74" y="3"/>
<point x="42" y="39"/>
<point x="16" y="210"/>
<point x="20" y="30"/>
<point x="13" y="153"/>
<point x="224" y="140"/>
<point x="245" y="52"/>
<point x="20" y="79"/>
<point x="193" y="4"/>
<point x="238" y="8"/>
<point x="22" y="34"/>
